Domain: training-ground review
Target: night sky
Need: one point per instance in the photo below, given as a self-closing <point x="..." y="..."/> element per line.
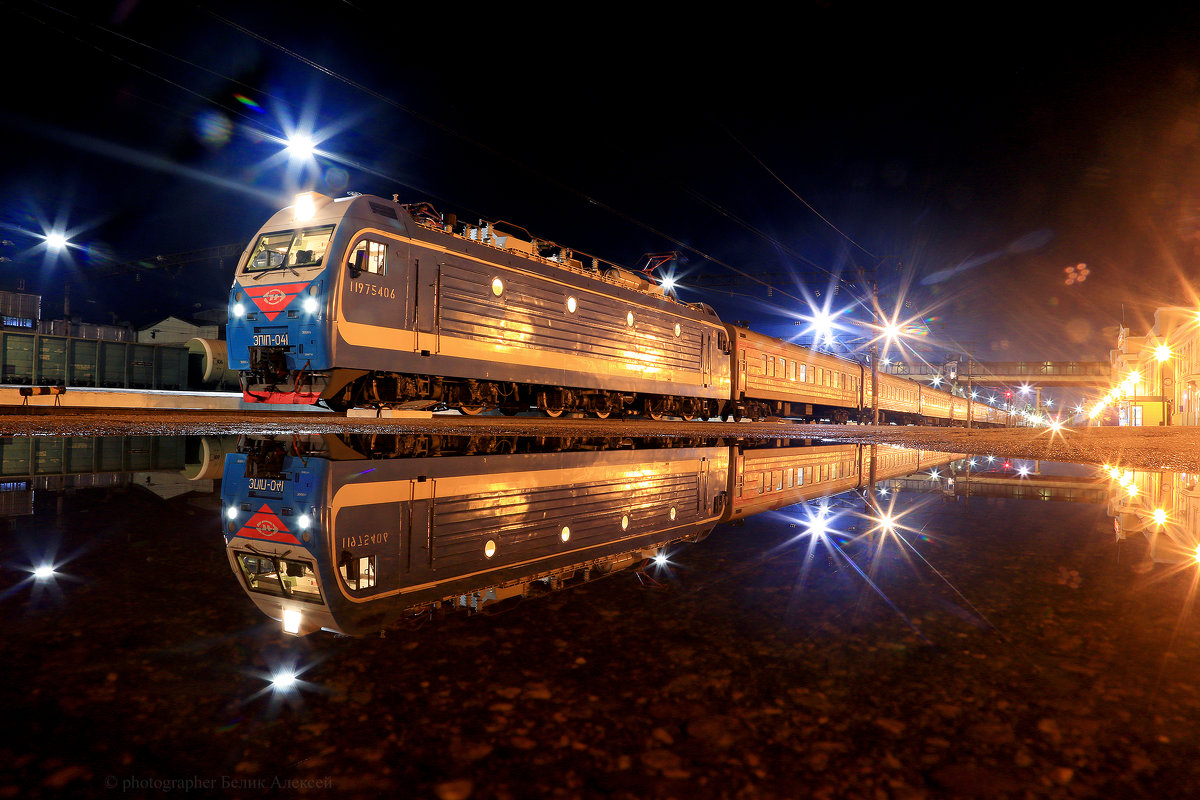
<point x="969" y="168"/>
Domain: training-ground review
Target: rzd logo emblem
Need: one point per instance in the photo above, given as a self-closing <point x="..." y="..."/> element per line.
<point x="265" y="524"/>
<point x="271" y="300"/>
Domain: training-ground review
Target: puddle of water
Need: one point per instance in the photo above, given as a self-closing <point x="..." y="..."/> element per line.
<point x="593" y="613"/>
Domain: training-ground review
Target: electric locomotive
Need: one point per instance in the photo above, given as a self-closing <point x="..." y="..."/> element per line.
<point x="362" y="301"/>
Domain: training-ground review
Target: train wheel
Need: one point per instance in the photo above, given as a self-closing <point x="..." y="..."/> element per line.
<point x="553" y="412"/>
<point x="602" y="414"/>
<point x="472" y="411"/>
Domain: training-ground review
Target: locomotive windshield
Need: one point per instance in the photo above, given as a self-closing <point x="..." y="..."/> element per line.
<point x="299" y="248"/>
<point x="281" y="577"/>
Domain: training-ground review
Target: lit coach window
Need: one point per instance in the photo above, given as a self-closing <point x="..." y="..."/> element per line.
<point x="497" y="287"/>
<point x="571" y="305"/>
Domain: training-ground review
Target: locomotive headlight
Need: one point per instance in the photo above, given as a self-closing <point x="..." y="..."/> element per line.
<point x="231" y="512"/>
<point x="311" y="305"/>
<point x="239" y="310"/>
<point x="306" y="206"/>
<point x="291" y="620"/>
<point x="304" y="520"/>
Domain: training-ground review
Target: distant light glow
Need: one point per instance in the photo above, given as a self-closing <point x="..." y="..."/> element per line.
<point x="1162" y="352"/>
<point x="56" y="241"/>
<point x="283" y="680"/>
<point x="44" y="572"/>
<point x="301" y="145"/>
<point x="1160" y="516"/>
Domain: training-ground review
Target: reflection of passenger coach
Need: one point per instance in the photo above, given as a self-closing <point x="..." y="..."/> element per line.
<point x="357" y="532"/>
<point x="362" y="301"/>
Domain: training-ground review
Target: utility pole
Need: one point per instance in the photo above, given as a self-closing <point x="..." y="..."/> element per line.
<point x="874" y="360"/>
<point x="970" y="369"/>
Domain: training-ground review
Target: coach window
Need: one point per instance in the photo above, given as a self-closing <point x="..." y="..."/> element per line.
<point x="370" y="257"/>
<point x="792" y="367"/>
<point x="803" y="370"/>
<point x="572" y="304"/>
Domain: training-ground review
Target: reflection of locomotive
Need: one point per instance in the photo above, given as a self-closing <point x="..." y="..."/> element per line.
<point x="362" y="301"/>
<point x="357" y="532"/>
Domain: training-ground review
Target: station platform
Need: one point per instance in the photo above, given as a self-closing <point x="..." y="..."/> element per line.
<point x="83" y="397"/>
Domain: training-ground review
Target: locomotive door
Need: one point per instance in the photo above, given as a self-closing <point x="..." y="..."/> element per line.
<point x="416" y="522"/>
<point x="425" y="317"/>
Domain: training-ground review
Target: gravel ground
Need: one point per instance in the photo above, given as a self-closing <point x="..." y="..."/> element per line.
<point x="1144" y="448"/>
<point x="1024" y="655"/>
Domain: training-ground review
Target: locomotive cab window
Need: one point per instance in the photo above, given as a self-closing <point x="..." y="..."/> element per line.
<point x="300" y="248"/>
<point x="281" y="577"/>
<point x="357" y="573"/>
<point x="369" y="256"/>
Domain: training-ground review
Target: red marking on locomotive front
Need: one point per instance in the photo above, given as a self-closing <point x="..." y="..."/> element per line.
<point x="271" y="300"/>
<point x="266" y="524"/>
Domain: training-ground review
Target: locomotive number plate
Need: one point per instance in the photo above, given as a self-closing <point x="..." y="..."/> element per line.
<point x="270" y="339"/>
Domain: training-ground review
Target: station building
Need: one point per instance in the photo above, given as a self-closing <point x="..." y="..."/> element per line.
<point x="1159" y="371"/>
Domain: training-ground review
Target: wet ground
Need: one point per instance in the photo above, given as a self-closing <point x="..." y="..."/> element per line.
<point x="1176" y="448"/>
<point x="994" y="648"/>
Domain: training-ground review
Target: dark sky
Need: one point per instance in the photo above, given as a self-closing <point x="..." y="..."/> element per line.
<point x="967" y="165"/>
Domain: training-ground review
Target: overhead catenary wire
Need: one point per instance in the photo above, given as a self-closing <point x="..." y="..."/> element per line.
<point x="333" y="74"/>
